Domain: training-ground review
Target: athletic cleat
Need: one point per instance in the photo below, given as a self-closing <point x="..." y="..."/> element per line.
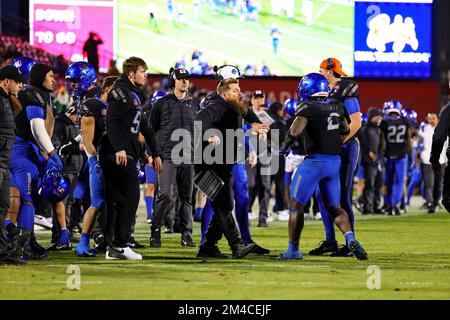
<point x="262" y="224"/>
<point x="259" y="250"/>
<point x="288" y="256"/>
<point x="269" y="218"/>
<point x="186" y="242"/>
<point x="343" y="251"/>
<point x="113" y="253"/>
<point x="208" y="251"/>
<point x="324" y="247"/>
<point x="241" y="249"/>
<point x="317" y="216"/>
<point x="149" y="221"/>
<point x="43" y="222"/>
<point x="60" y="247"/>
<point x="85" y="253"/>
<point x="135" y="245"/>
<point x="358" y="250"/>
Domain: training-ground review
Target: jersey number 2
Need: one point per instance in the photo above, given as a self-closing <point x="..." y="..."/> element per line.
<point x="333" y="122"/>
<point x="396" y="134"/>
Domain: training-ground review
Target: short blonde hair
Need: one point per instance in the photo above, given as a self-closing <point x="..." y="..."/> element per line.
<point x="224" y="85"/>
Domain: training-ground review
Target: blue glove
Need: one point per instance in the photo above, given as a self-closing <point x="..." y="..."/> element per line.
<point x="54" y="161"/>
<point x="94" y="164"/>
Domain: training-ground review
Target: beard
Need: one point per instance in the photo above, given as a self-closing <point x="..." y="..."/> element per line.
<point x="238" y="105"/>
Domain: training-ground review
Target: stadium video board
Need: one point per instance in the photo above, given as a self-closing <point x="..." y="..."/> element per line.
<point x="63" y="26"/>
<point x="393" y="39"/>
<point x="262" y="37"/>
<point x="372" y="39"/>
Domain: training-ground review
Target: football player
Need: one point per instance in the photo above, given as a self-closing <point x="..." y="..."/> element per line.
<point x="324" y="123"/>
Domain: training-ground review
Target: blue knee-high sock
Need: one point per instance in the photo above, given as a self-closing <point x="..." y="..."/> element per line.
<point x="63" y="236"/>
<point x="349" y="237"/>
<point x="198" y="214"/>
<point x="241" y="212"/>
<point x="149" y="205"/>
<point x="84" y="239"/>
<point x="25" y="218"/>
<point x="206" y="219"/>
<point x="327" y="220"/>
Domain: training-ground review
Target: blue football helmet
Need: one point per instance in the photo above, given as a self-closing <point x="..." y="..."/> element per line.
<point x="364" y="118"/>
<point x="79" y="76"/>
<point x="157" y="95"/>
<point x="392" y="106"/>
<point x="312" y="85"/>
<point x="54" y="187"/>
<point x="24" y="64"/>
<point x="410" y="114"/>
<point x="290" y="105"/>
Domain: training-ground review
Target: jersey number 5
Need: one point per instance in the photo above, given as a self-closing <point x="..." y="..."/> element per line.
<point x="396" y="134"/>
<point x="136" y="123"/>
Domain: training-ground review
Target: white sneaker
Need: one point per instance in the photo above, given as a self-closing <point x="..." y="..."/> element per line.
<point x="318" y="216"/>
<point x="307" y="216"/>
<point x="253" y="216"/>
<point x="283" y="215"/>
<point x="269" y="218"/>
<point x="122" y="254"/>
<point x="149" y="221"/>
<point x="43" y="222"/>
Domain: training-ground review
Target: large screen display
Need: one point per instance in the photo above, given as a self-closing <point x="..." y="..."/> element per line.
<point x="63" y="26"/>
<point x="262" y="37"/>
<point x="393" y="39"/>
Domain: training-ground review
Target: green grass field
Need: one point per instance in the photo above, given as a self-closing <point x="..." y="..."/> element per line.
<point x="223" y="38"/>
<point x="411" y="251"/>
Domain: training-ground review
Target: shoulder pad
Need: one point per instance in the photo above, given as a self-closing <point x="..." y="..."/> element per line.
<point x="301" y="108"/>
<point x="349" y="88"/>
<point x="29" y="97"/>
<point x="118" y="94"/>
<point x="85" y="110"/>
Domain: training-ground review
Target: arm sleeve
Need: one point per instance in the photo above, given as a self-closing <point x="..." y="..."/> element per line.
<point x="440" y="134"/>
<point x="114" y="128"/>
<point x="351" y="105"/>
<point x="41" y="135"/>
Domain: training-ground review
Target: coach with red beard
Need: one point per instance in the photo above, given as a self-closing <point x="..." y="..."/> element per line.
<point x="223" y="111"/>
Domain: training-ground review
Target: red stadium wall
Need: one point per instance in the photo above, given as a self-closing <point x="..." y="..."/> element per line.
<point x="422" y="96"/>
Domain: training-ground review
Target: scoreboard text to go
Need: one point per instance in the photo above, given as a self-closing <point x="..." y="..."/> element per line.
<point x="49" y="37"/>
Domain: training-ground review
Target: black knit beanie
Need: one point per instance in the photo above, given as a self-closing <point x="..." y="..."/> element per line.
<point x="37" y="75"/>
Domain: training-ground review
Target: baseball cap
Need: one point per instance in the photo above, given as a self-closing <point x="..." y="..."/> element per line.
<point x="181" y="73"/>
<point x="10" y="72"/>
<point x="227" y="72"/>
<point x="258" y="94"/>
<point x="333" y="64"/>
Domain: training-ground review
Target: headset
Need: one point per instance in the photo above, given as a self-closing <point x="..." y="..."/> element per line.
<point x="171" y="78"/>
<point x="231" y="69"/>
<point x="330" y="64"/>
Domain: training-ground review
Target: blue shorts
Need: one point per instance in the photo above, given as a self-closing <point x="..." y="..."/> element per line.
<point x="82" y="189"/>
<point x="319" y="170"/>
<point x="27" y="168"/>
<point x="150" y="175"/>
<point x="97" y="188"/>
